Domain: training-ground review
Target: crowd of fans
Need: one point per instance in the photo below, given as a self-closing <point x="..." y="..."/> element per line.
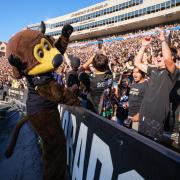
<point x="132" y="79"/>
<point x="5" y="71"/>
<point x="6" y="78"/>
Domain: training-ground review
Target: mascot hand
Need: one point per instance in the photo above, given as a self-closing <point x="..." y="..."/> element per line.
<point x="67" y="30"/>
<point x="62" y="42"/>
<point x="56" y="93"/>
<point x="45" y="90"/>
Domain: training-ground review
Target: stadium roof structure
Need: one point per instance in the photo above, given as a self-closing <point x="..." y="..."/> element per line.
<point x="114" y="16"/>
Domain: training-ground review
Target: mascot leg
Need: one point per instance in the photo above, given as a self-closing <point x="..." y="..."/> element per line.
<point x="47" y="124"/>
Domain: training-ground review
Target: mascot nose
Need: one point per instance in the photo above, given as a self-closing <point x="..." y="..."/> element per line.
<point x="57" y="60"/>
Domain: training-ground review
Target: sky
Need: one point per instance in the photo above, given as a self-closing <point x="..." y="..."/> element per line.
<point x="16" y="14"/>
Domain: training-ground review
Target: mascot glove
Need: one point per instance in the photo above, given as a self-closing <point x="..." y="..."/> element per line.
<point x="67" y="30"/>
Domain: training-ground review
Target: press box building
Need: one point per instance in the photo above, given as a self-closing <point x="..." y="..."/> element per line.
<point x="114" y="16"/>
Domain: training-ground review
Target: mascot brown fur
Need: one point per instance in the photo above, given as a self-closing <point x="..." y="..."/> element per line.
<point x="35" y="56"/>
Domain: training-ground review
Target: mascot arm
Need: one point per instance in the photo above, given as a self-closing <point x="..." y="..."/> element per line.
<point x="62" y="42"/>
<point x="56" y="93"/>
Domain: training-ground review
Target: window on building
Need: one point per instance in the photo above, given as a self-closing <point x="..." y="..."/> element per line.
<point x="133" y="14"/>
<point x="114" y="8"/>
<point x="126" y="4"/>
<point x="101" y="12"/>
<point x="136" y="2"/>
<point x="133" y="2"/>
<point x="149" y="10"/>
<point x="126" y="16"/>
<point x="140" y="11"/>
<point x="144" y="11"/>
<point x="136" y="13"/>
<point x="163" y="6"/>
<point x="110" y="10"/>
<point x="123" y="6"/>
<point x="130" y="3"/>
<point x="117" y="8"/>
<point x="119" y="18"/>
<point x="167" y="4"/>
<point x="122" y="17"/>
<point x="177" y="2"/>
<point x="129" y="15"/>
<point x="153" y="9"/>
<point x="104" y="22"/>
<point x="158" y="7"/>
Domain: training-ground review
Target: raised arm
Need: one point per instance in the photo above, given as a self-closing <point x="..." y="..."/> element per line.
<point x="67" y="60"/>
<point x="166" y="52"/>
<point x="87" y="63"/>
<point x="138" y="59"/>
<point x="62" y="42"/>
<point x="128" y="66"/>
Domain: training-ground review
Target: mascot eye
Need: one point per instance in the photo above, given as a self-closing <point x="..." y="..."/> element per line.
<point x="40" y="53"/>
<point x="46" y="45"/>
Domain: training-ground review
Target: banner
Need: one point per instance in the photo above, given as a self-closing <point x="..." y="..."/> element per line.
<point x="99" y="149"/>
<point x="18" y="94"/>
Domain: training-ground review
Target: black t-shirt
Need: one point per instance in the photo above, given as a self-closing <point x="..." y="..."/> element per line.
<point x="72" y="78"/>
<point x="175" y="97"/>
<point x="136" y="96"/>
<point x="98" y="83"/>
<point x="155" y="105"/>
<point x="35" y="102"/>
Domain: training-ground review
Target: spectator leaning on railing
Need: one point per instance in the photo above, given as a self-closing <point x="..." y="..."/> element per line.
<point x="155" y="105"/>
<point x="100" y="81"/>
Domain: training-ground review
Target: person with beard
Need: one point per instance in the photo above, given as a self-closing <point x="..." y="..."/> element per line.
<point x="155" y="105"/>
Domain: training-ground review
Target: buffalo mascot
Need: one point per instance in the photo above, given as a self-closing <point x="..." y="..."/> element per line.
<point x="35" y="56"/>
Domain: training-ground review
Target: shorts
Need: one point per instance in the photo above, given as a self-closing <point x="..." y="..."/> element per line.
<point x="151" y="128"/>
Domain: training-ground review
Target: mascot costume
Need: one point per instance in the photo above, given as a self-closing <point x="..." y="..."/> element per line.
<point x="34" y="55"/>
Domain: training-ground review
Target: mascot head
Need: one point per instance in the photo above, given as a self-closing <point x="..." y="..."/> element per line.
<point x="31" y="52"/>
